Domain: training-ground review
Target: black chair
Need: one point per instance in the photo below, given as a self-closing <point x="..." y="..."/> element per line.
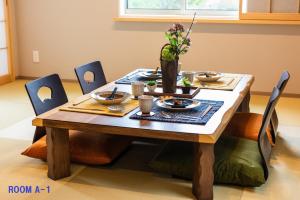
<point x="285" y="76"/>
<point x="238" y="161"/>
<point x="264" y="145"/>
<point x="247" y="125"/>
<point x="85" y="147"/>
<point x="58" y="98"/>
<point x="99" y="76"/>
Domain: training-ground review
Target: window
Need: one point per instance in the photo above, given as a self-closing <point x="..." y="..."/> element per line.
<point x="3" y="45"/>
<point x="204" y="8"/>
<point x="5" y="64"/>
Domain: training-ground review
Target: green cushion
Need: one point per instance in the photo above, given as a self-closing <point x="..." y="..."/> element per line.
<point x="237" y="161"/>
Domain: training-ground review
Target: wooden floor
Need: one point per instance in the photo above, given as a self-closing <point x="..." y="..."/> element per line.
<point x="129" y="178"/>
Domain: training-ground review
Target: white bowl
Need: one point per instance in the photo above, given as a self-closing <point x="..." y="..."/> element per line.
<point x="101" y="97"/>
<point x="212" y="76"/>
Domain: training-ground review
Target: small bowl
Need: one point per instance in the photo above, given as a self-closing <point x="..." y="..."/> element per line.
<point x="151" y="88"/>
<point x="101" y="97"/>
<point x="212" y="76"/>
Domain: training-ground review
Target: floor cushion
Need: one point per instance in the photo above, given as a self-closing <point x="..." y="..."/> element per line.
<point x="237" y="161"/>
<point x="85" y="148"/>
<point x="247" y="125"/>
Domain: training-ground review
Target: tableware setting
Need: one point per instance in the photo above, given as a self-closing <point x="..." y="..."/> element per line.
<point x="209" y="76"/>
<point x="151" y="86"/>
<point x="146" y="105"/>
<point x="116" y="108"/>
<point x="180" y="110"/>
<point x="143" y="75"/>
<point x="216" y="81"/>
<point x="113" y="103"/>
<point x="137" y="89"/>
<point x="177" y="104"/>
<point x="188" y="75"/>
<point x="110" y="97"/>
<point x="110" y="102"/>
<point x="150" y="74"/>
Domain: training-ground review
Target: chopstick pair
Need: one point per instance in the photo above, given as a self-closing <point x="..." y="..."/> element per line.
<point x="91" y="109"/>
<point x="80" y="102"/>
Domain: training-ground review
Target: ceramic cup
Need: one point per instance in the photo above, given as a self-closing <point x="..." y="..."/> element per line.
<point x="189" y="75"/>
<point x="137" y="89"/>
<point x="146" y="103"/>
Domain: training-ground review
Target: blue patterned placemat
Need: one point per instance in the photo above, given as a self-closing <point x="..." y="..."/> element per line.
<point x="135" y="77"/>
<point x="183" y="116"/>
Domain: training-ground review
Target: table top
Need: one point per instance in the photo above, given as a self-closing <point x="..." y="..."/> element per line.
<point x="153" y="129"/>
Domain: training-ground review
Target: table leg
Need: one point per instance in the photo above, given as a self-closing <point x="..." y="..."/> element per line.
<point x="245" y="105"/>
<point x="203" y="179"/>
<point x="58" y="153"/>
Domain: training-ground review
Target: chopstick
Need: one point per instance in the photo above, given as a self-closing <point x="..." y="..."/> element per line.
<point x="206" y="111"/>
<point x="76" y="104"/>
<point x="92" y="109"/>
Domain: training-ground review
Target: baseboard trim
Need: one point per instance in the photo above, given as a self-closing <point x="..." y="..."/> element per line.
<point x="291" y="95"/>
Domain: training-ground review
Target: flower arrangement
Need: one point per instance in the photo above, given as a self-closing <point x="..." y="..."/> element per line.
<point x="178" y="44"/>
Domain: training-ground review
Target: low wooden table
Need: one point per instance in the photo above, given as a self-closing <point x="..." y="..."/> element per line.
<point x="58" y="123"/>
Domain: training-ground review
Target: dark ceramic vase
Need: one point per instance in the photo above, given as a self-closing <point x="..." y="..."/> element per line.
<point x="169" y="75"/>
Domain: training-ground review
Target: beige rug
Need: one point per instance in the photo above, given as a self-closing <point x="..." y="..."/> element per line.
<point x="128" y="178"/>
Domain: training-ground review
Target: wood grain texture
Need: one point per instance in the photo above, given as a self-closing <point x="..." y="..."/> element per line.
<point x="151" y="129"/>
<point x="203" y="178"/>
<point x="58" y="153"/>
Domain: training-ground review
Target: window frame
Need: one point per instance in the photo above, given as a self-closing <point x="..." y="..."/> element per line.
<point x="241" y="18"/>
<point x="183" y="12"/>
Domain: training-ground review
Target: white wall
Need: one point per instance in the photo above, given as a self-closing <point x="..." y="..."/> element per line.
<point x="72" y="32"/>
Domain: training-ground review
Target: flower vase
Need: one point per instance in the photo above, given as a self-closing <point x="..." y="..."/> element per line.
<point x="169" y="75"/>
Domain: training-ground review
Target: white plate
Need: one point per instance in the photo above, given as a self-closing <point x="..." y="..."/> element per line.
<point x="213" y="76"/>
<point x="101" y="97"/>
<point x="195" y="104"/>
<point x="148" y="74"/>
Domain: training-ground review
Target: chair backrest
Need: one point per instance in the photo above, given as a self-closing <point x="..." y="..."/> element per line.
<point x="264" y="145"/>
<point x="285" y="76"/>
<point x="58" y="97"/>
<point x="99" y="76"/>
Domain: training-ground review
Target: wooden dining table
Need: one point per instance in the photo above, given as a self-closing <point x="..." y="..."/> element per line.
<point x="204" y="137"/>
